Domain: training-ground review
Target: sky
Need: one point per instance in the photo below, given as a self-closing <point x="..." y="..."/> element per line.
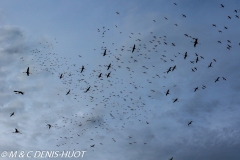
<point x="174" y="95"/>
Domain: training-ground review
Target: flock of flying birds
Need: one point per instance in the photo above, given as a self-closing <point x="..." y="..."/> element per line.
<point x="104" y="88"/>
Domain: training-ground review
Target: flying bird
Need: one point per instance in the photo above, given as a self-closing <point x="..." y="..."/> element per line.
<point x="49" y="126"/>
<point x="195" y="42"/>
<point x="104" y="54"/>
<point x="195" y="89"/>
<point x="27" y="71"/>
<point x="217" y="79"/>
<point x="61" y="76"/>
<point x="185" y="56"/>
<point x="133" y="48"/>
<point x="109" y="66"/>
<point x="87" y="89"/>
<point x="11" y="114"/>
<point x="175" y="100"/>
<point x="189" y="123"/>
<point x="108" y="74"/>
<point x="210" y="65"/>
<point x="19" y="92"/>
<point x="167" y="92"/>
<point x="68" y="92"/>
<point x="16" y="131"/>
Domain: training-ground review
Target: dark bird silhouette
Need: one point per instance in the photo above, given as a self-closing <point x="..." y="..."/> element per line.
<point x="104" y="54"/>
<point x="82" y="69"/>
<point x="133" y="48"/>
<point x="87" y="89"/>
<point x="174" y="67"/>
<point x="175" y="100"/>
<point x="11" y="114"/>
<point x="117" y="12"/>
<point x="195" y="89"/>
<point x="61" y="76"/>
<point x="27" y="71"/>
<point x="108" y="75"/>
<point x="210" y="65"/>
<point x="171" y="158"/>
<point x="229" y="17"/>
<point x="189" y="123"/>
<point x="167" y="92"/>
<point x="185" y="56"/>
<point x="49" y="126"/>
<point x="197" y="59"/>
<point x="68" y="92"/>
<point x="224" y="78"/>
<point x="109" y="66"/>
<point x="169" y="69"/>
<point x="19" y="92"/>
<point x="92" y="145"/>
<point x="16" y="131"/>
<point x="222" y="5"/>
<point x="214" y="25"/>
<point x="99" y="75"/>
<point x="195" y="42"/>
<point x="217" y="79"/>
<point x="184" y="15"/>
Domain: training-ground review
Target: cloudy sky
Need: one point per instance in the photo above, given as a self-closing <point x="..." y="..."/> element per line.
<point x="128" y="114"/>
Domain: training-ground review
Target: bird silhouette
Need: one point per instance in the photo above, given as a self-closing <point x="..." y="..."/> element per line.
<point x="109" y="66"/>
<point x="82" y="69"/>
<point x="19" y="92"/>
<point x="49" y="126"/>
<point x="27" y="71"/>
<point x="87" y="89"/>
<point x="68" y="92"/>
<point x="217" y="79"/>
<point x="133" y="48"/>
<point x="175" y="100"/>
<point x="189" y="123"/>
<point x="17" y="131"/>
<point x="210" y="65"/>
<point x="185" y="55"/>
<point x="195" y="42"/>
<point x="108" y="74"/>
<point x="104" y="54"/>
<point x="195" y="89"/>
<point x="11" y="114"/>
